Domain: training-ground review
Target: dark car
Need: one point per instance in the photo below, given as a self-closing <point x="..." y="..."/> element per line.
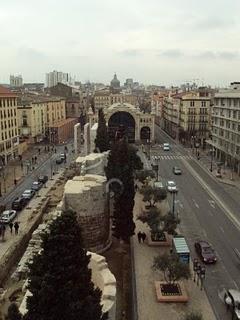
<point x="177" y="171"/>
<point x="43" y="179"/>
<point x="59" y="160"/>
<point x="205" y="251"/>
<point x="19" y="203"/>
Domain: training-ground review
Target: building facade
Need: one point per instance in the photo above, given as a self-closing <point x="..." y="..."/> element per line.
<point x="55" y="77"/>
<point x="225" y="142"/>
<point x="171" y="115"/>
<point x="32" y="118"/>
<point x="9" y="138"/>
<point x="137" y="126"/>
<point x="106" y="98"/>
<point x="16" y="81"/>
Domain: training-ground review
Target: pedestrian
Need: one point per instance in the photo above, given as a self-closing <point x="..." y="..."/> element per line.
<point x="144" y="236"/>
<point x="21" y="165"/>
<point x="39" y="150"/>
<point x="3" y="231"/>
<point x="16" y="227"/>
<point x="139" y="235"/>
<point x="136" y="187"/>
<point x="15" y="182"/>
<point x="35" y="159"/>
<point x="11" y="227"/>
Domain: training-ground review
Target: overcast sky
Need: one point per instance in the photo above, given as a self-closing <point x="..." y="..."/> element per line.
<point x="151" y="41"/>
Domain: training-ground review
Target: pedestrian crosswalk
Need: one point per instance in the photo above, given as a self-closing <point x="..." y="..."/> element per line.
<point x="171" y="157"/>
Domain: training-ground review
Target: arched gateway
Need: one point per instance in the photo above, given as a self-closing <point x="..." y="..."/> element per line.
<point x="121" y="123"/>
<point x="122" y="118"/>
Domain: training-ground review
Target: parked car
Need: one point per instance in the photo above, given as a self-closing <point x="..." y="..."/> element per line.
<point x="205" y="251"/>
<point x="177" y="171"/>
<point x="28" y="194"/>
<point x="43" y="179"/>
<point x="59" y="160"/>
<point x="166" y="147"/>
<point x="171" y="186"/>
<point x="63" y="156"/>
<point x="19" y="203"/>
<point x="36" y="185"/>
<point x="7" y="216"/>
<point x="232" y="300"/>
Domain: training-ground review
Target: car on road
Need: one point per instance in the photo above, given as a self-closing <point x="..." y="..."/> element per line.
<point x="166" y="147"/>
<point x="36" y="185"/>
<point x="28" y="194"/>
<point x="63" y="156"/>
<point x="177" y="170"/>
<point x="43" y="179"/>
<point x="59" y="160"/>
<point x="232" y="300"/>
<point x="7" y="216"/>
<point x="171" y="186"/>
<point x="205" y="252"/>
<point x="19" y="203"/>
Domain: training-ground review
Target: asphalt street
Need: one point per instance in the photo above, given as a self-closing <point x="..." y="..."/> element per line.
<point x="208" y="211"/>
<point x="48" y="167"/>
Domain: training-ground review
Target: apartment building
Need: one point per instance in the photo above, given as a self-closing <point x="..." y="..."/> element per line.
<point x="16" y="81"/>
<point x="225" y="140"/>
<point x="195" y="117"/>
<point x="55" y="77"/>
<point x="171" y="114"/>
<point x="9" y="138"/>
<point x="32" y="119"/>
<point x="37" y="114"/>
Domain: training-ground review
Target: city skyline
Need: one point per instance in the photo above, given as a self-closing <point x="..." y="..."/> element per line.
<point x="152" y="42"/>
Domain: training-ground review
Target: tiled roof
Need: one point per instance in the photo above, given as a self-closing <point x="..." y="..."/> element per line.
<point x="4" y="92"/>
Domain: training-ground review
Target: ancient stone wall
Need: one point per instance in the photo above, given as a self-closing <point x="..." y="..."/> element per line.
<point x="86" y="195"/>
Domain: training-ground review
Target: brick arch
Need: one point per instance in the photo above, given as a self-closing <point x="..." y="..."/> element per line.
<point x="122" y="123"/>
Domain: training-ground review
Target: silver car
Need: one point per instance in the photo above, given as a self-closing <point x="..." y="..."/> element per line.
<point x="171" y="186"/>
<point x="232" y="300"/>
<point x="7" y="216"/>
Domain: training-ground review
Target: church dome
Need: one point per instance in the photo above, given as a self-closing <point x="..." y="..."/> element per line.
<point x="115" y="83"/>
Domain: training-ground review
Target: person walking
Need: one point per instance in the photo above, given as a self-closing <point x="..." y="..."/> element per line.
<point x="144" y="236"/>
<point x="139" y="235"/>
<point x="16" y="227"/>
<point x="3" y="231"/>
<point x="11" y="227"/>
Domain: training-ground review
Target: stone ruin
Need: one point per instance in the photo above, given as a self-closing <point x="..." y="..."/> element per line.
<point x="101" y="275"/>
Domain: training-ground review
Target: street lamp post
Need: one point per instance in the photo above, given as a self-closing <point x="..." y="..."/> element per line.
<point x="212" y="151"/>
<point x="173" y="201"/>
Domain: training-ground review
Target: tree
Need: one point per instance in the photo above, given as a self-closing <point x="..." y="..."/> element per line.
<point x="170" y="223"/>
<point x="153" y="195"/>
<point x="173" y="269"/>
<point x="122" y="162"/>
<point x="193" y="315"/>
<point x="102" y="138"/>
<point x="59" y="277"/>
<point x="13" y="313"/>
<point x="142" y="175"/>
<point x="154" y="219"/>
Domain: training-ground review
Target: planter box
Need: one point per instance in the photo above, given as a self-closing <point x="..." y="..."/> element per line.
<point x="161" y="297"/>
<point x="166" y="243"/>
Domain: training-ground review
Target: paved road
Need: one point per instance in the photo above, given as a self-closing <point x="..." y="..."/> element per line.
<point x="207" y="211"/>
<point x="46" y="168"/>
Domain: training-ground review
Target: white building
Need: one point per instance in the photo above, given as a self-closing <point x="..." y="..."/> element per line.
<point x="16" y="81"/>
<point x="226" y="126"/>
<point x="55" y="77"/>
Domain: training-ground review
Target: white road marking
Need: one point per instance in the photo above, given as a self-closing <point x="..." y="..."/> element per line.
<point x="221" y="228"/>
<point x="195" y="203"/>
<point x="212" y="203"/>
<point x="181" y="205"/>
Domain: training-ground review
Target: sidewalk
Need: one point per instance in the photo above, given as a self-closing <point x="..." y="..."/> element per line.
<point x="228" y="177"/>
<point x="147" y="305"/>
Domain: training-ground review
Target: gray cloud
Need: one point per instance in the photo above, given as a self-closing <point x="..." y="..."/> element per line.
<point x="171" y="53"/>
<point x="131" y="52"/>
